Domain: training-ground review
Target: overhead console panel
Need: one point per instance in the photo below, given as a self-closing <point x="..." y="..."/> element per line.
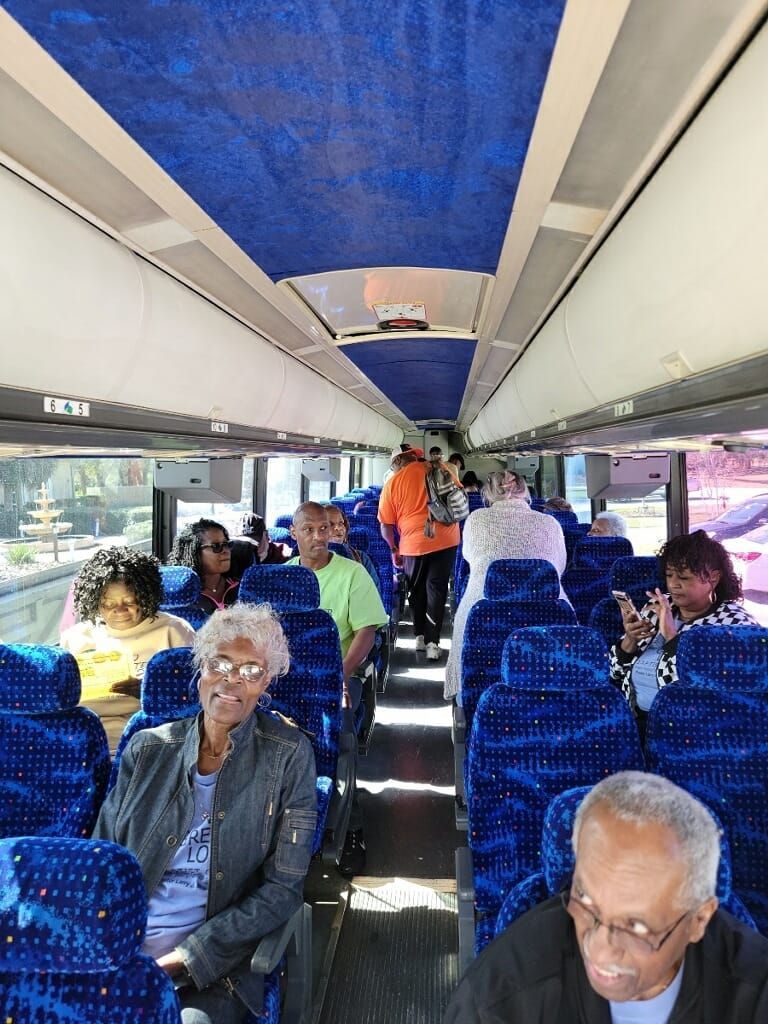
<point x="678" y="287"/>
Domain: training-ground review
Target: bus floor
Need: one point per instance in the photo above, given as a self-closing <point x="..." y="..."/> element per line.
<point x="385" y="944"/>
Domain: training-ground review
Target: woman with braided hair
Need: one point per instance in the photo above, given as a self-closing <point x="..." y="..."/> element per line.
<point x="117" y="595"/>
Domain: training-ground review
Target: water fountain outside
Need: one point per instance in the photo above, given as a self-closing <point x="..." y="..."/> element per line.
<point x="47" y="523"/>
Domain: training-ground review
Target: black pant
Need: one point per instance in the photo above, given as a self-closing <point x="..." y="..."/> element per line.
<point x="428" y="577"/>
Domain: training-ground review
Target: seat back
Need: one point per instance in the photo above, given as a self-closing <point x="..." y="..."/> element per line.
<point x="585" y="587"/>
<point x="600" y="552"/>
<point x="709" y="734"/>
<point x="475" y="500"/>
<point x="636" y="572"/>
<point x="555" y="720"/>
<point x="380" y="555"/>
<point x="54" y="757"/>
<point x="564" y="516"/>
<point x="284" y="521"/>
<point x="488" y="625"/>
<point x="522" y="579"/>
<point x="168" y="692"/>
<point x="71" y="951"/>
<point x="558" y="861"/>
<point x="288" y="588"/>
<point x="181" y="594"/>
<point x="358" y="538"/>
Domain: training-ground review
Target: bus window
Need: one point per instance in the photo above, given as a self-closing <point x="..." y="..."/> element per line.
<point x="646" y="520"/>
<point x="343" y="484"/>
<point x="228" y="514"/>
<point x="55" y="514"/>
<point x="728" y="497"/>
<point x="548" y="476"/>
<point x="576" y="487"/>
<point x="319" y="490"/>
<point x="283" y="488"/>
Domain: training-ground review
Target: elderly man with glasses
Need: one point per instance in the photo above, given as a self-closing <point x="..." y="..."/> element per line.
<point x="637" y="937"/>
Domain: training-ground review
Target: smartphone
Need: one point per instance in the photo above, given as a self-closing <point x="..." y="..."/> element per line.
<point x="625" y="602"/>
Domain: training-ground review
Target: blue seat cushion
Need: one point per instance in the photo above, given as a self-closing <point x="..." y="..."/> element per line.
<point x="35" y="679"/>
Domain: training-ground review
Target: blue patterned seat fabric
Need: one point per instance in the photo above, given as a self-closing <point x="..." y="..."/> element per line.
<point x="564" y="516"/>
<point x="585" y="587"/>
<point x="311" y="692"/>
<point x="600" y="552"/>
<point x="557" y="863"/>
<point x="71" y="951"/>
<point x="460" y="576"/>
<point x="282" y="535"/>
<point x="358" y="538"/>
<point x="521" y="579"/>
<point x="381" y="557"/>
<point x="709" y="734"/>
<point x="288" y="588"/>
<point x="181" y="594"/>
<point x="559" y="722"/>
<point x="636" y="572"/>
<point x="605" y="618"/>
<point x="285" y="521"/>
<point x="167" y="692"/>
<point x="475" y="500"/>
<point x="54" y="757"/>
<point x="488" y="625"/>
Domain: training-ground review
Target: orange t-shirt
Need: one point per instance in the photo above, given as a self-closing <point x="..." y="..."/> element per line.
<point x="403" y="504"/>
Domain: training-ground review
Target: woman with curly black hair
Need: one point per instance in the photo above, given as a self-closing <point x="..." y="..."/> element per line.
<point x="703" y="590"/>
<point x="117" y="595"/>
<point x="205" y="547"/>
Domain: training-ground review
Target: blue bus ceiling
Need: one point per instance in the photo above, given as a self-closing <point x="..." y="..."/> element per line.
<point x="425" y="379"/>
<point x="324" y="135"/>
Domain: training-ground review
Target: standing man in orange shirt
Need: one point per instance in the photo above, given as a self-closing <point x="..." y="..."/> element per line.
<point x="426" y="561"/>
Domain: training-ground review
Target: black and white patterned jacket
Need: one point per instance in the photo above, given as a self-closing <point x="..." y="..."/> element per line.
<point x="729" y="613"/>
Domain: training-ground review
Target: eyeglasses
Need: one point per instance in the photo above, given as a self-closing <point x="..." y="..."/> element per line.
<point x="621" y="938"/>
<point x="251" y="672"/>
<point x="218" y="546"/>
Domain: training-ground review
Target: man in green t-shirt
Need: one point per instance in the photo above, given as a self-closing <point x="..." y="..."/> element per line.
<point x="349" y="595"/>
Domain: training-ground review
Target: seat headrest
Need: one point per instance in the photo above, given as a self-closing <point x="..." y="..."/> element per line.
<point x="288" y="588"/>
<point x="358" y="537"/>
<point x="557" y="857"/>
<point x="69" y="905"/>
<point x="167" y="687"/>
<point x="724" y="657"/>
<point x="555" y="658"/>
<point x="34" y="679"/>
<point x="181" y="586"/>
<point x="564" y="516"/>
<point x="635" y="571"/>
<point x="340" y="549"/>
<point x="600" y="552"/>
<point x="522" y="579"/>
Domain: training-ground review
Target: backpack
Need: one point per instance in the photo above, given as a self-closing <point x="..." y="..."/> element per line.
<point x="447" y="502"/>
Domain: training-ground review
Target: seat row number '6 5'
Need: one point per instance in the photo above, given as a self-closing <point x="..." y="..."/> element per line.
<point x="66" y="407"/>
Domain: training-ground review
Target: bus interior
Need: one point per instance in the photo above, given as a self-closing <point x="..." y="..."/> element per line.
<point x="251" y="248"/>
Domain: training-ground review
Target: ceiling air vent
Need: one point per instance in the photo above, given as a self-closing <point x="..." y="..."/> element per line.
<point x="401" y="316"/>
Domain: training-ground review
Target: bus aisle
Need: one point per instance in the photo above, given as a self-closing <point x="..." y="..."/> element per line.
<point x="395" y="957"/>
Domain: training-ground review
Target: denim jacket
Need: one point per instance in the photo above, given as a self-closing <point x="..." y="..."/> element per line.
<point x="263" y="820"/>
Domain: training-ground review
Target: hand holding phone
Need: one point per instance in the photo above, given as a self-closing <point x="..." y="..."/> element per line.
<point x="626" y="604"/>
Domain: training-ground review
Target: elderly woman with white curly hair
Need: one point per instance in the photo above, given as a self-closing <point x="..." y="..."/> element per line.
<point x="220" y="812"/>
<point x="508" y="528"/>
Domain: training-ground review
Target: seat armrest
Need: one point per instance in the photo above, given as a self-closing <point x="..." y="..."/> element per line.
<point x="271" y="947"/>
<point x="465" y="897"/>
<point x="459" y="728"/>
<point x="341" y="799"/>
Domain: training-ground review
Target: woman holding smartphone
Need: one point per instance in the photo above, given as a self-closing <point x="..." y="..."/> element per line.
<point x="702" y="590"/>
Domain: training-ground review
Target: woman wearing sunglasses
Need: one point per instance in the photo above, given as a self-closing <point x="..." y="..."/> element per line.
<point x="205" y="547"/>
<point x="220" y="812"/>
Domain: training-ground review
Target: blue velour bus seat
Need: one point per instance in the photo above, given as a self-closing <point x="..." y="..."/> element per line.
<point x="168" y="692"/>
<point x="557" y="863"/>
<point x="311" y="692"/>
<point x="709" y="734"/>
<point x="521" y="579"/>
<point x="54" y="756"/>
<point x="70" y="951"/>
<point x="600" y="552"/>
<point x="636" y="572"/>
<point x="586" y="586"/>
<point x="284" y="521"/>
<point x="554" y="720"/>
<point x="181" y="594"/>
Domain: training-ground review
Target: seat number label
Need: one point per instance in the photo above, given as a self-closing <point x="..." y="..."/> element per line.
<point x="66" y="407"/>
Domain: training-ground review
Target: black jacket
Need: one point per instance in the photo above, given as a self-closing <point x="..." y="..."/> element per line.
<point x="533" y="974"/>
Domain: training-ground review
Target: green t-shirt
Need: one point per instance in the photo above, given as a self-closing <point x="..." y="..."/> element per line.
<point x="350" y="596"/>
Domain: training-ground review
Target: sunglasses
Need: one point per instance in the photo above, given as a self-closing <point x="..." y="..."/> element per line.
<point x="218" y="546"/>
